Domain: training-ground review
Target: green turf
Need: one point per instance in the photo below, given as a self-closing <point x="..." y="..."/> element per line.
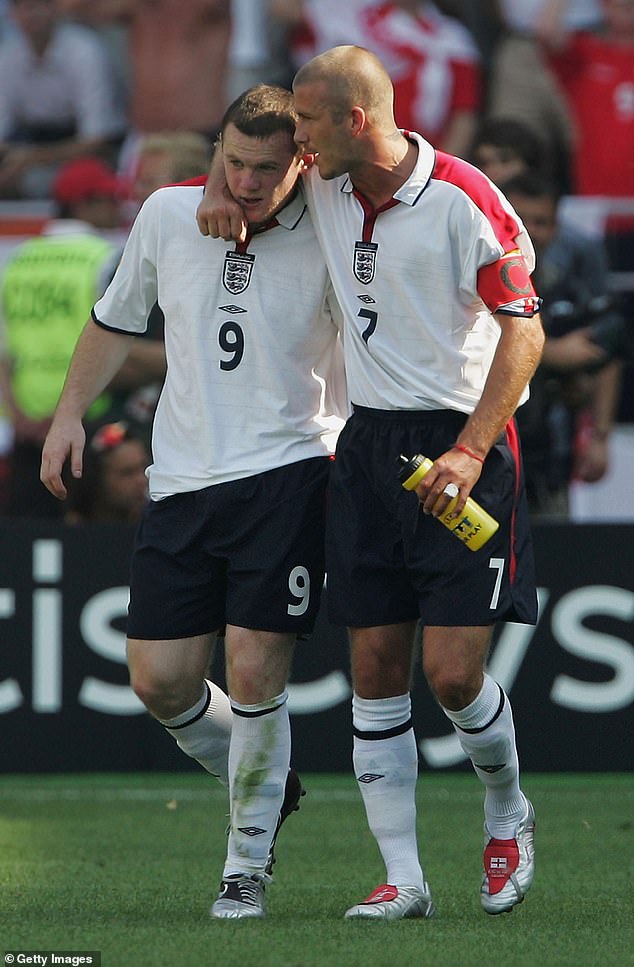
<point x="129" y="865"/>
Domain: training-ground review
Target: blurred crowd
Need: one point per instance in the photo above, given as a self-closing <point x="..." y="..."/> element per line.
<point x="103" y="101"/>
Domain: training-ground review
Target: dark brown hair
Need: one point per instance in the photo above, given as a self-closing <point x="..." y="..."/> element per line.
<point x="261" y="111"/>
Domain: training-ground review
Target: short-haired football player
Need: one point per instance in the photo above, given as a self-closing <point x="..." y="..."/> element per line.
<point x="431" y="267"/>
<point x="233" y="535"/>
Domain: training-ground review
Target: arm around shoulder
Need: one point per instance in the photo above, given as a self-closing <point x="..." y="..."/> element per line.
<point x="219" y="214"/>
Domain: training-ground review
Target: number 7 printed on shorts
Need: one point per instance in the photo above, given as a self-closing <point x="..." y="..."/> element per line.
<point x="497" y="563"/>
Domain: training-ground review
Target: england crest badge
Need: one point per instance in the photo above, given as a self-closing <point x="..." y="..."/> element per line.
<point x="364" y="261"/>
<point x="237" y="271"/>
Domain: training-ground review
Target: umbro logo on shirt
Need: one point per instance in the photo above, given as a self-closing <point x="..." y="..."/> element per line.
<point x="232" y="309"/>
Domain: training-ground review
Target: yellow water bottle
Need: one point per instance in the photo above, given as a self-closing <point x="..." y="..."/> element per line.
<point x="473" y="526"/>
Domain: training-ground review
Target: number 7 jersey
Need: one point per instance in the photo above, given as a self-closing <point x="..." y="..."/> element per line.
<point x="254" y="365"/>
<point x="420" y="279"/>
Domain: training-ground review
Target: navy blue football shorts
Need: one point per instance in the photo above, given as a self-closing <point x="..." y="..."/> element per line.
<point x="388" y="562"/>
<point x="249" y="552"/>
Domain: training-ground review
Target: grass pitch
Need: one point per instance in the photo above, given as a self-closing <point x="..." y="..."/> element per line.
<point x="129" y="864"/>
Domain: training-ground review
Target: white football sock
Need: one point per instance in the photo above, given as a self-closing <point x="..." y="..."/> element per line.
<point x="204" y="731"/>
<point x="385" y="758"/>
<point x="259" y="760"/>
<point x="487" y="735"/>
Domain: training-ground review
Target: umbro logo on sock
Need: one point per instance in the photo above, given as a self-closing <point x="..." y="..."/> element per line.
<point x="490" y="769"/>
<point x="369" y="777"/>
<point x="251" y="830"/>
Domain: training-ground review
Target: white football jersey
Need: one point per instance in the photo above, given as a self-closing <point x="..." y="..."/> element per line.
<point x="419" y="281"/>
<point x="254" y="369"/>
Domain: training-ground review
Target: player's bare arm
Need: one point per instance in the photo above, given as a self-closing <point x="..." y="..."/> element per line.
<point x="97" y="357"/>
<point x="219" y="214"/>
<point x="514" y="363"/>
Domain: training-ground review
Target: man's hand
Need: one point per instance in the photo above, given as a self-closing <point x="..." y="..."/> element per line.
<point x="452" y="467"/>
<point x="220" y="216"/>
<point x="65" y="438"/>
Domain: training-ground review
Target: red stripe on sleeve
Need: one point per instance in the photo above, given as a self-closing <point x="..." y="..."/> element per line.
<point x="479" y="189"/>
<point x="513" y="441"/>
<point x="506" y="281"/>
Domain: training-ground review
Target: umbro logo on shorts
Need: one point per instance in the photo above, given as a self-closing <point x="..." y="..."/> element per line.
<point x="251" y="830"/>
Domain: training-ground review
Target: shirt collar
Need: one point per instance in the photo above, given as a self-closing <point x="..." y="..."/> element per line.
<point x="290" y="216"/>
<point x="411" y="190"/>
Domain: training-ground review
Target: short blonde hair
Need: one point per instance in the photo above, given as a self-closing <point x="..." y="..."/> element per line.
<point x="353" y="77"/>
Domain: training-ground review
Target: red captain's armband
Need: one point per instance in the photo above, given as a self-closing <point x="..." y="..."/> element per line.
<point x="505" y="286"/>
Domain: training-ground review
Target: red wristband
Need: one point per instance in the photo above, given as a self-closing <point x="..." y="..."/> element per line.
<point x="470" y="453"/>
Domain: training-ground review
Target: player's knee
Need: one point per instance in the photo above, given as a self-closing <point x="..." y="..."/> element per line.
<point x="146" y="687"/>
<point x="163" y="697"/>
<point x="376" y="680"/>
<point x="452" y="687"/>
<point x="381" y="662"/>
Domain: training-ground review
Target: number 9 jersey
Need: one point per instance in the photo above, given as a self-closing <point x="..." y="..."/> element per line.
<point x="254" y="364"/>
